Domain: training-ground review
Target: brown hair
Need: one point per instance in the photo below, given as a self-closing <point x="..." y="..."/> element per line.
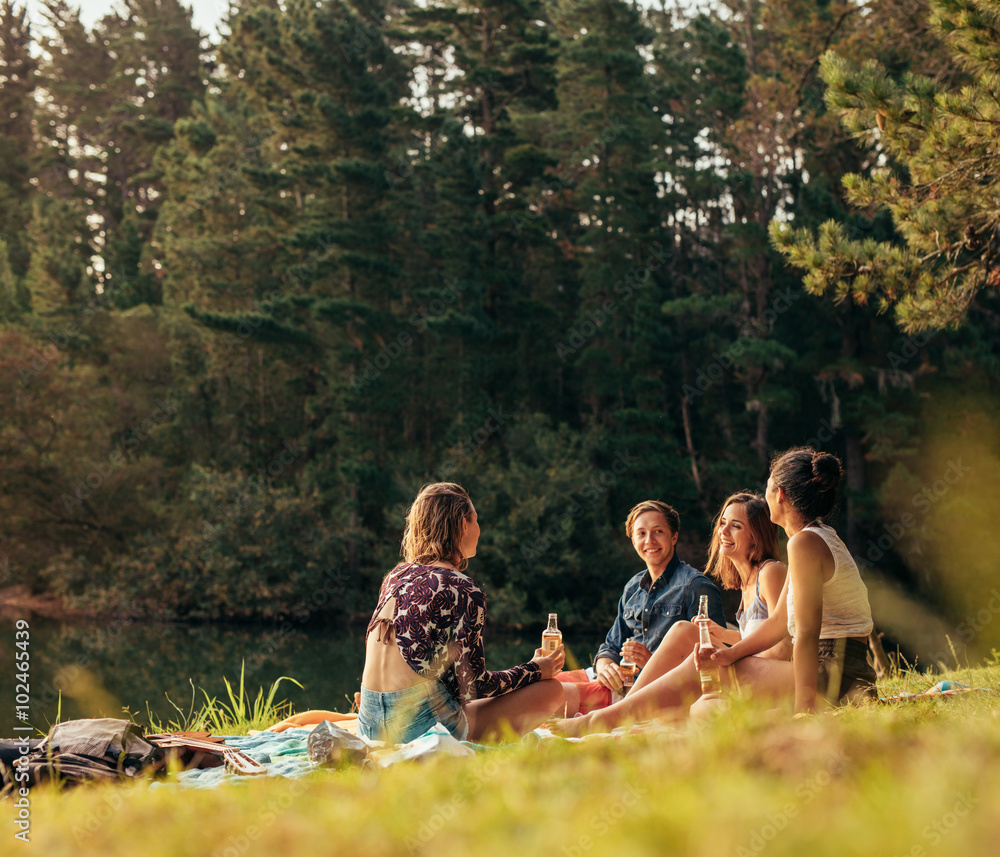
<point x="810" y="480"/>
<point x="763" y="532"/>
<point x="434" y="525"/>
<point x="668" y="512"/>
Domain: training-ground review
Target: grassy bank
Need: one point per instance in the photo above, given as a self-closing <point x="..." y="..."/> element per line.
<point x="915" y="779"/>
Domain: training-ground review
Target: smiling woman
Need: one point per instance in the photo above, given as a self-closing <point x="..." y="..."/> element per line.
<point x="823" y="606"/>
<point x="743" y="555"/>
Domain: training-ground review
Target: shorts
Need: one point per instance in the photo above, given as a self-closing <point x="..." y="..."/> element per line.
<point x="845" y="675"/>
<point x="593" y="694"/>
<point x="402" y="715"/>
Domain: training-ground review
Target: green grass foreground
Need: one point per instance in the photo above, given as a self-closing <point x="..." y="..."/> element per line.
<point x="913" y="779"/>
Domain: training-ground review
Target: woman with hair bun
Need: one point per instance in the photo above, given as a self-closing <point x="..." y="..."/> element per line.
<point x="424" y="660"/>
<point x="826" y="603"/>
<point x="823" y="606"/>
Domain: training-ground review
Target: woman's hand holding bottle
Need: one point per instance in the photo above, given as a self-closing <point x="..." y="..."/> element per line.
<point x="551" y="663"/>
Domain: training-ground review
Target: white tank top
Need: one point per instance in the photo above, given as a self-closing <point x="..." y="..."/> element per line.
<point x="846" y="611"/>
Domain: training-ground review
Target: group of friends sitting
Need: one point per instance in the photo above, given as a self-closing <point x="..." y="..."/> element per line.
<point x="803" y="627"/>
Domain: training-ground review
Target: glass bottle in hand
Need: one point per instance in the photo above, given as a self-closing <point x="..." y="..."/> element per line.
<point x="711" y="678"/>
<point x="627" y="668"/>
<point x="551" y="636"/>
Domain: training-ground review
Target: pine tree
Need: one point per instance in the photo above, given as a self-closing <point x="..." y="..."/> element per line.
<point x="11" y="301"/>
<point x="276" y="235"/>
<point x="490" y="64"/>
<point x="113" y="96"/>
<point x="18" y="69"/>
<point x="939" y="143"/>
<point x="58" y="279"/>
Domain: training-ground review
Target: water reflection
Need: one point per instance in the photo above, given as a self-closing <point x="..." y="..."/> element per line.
<point x="99" y="669"/>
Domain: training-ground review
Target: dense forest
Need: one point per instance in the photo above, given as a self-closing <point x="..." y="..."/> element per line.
<point x="570" y="254"/>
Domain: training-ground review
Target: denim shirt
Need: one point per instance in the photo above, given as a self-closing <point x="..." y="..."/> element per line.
<point x="647" y="610"/>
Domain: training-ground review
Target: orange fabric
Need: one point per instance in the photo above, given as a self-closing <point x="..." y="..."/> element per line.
<point x="312" y="718"/>
<point x="593" y="694"/>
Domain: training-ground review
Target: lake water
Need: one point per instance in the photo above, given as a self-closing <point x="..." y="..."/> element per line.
<point x="95" y="670"/>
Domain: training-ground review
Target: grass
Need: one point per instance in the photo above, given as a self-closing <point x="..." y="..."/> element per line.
<point x="912" y="779"/>
<point x="238" y="717"/>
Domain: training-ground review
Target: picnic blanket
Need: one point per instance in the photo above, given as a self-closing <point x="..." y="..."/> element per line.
<point x="286" y="753"/>
<point x="283" y="754"/>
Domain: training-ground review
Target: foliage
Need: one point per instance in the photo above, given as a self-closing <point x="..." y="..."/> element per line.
<point x="260" y="551"/>
<point x="363" y="244"/>
<point x="935" y="148"/>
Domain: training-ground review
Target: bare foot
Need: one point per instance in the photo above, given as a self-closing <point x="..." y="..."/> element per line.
<point x="573" y="727"/>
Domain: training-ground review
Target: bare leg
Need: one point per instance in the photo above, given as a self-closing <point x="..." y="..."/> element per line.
<point x="765" y="678"/>
<point x="708" y="707"/>
<point x="670" y="696"/>
<point x="665" y="697"/>
<point x="571" y="699"/>
<point x="521" y="710"/>
<point x="673" y="651"/>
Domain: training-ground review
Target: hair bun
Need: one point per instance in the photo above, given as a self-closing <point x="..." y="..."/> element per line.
<point x="826" y="470"/>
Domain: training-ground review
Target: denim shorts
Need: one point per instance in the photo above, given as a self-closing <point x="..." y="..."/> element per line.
<point x="844" y="671"/>
<point x="402" y="715"/>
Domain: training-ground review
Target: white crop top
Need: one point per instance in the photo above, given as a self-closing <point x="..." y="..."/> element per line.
<point x="846" y="611"/>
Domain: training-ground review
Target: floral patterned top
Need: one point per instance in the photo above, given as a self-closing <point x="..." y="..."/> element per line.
<point x="438" y="622"/>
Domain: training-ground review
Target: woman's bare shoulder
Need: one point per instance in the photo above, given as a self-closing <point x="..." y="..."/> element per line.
<point x="772" y="569"/>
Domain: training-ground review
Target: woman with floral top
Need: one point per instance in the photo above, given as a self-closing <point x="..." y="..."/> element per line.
<point x="424" y="660"/>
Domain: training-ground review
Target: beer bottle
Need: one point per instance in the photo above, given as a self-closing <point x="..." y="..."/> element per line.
<point x="627" y="669"/>
<point x="551" y="636"/>
<point x="711" y="678"/>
